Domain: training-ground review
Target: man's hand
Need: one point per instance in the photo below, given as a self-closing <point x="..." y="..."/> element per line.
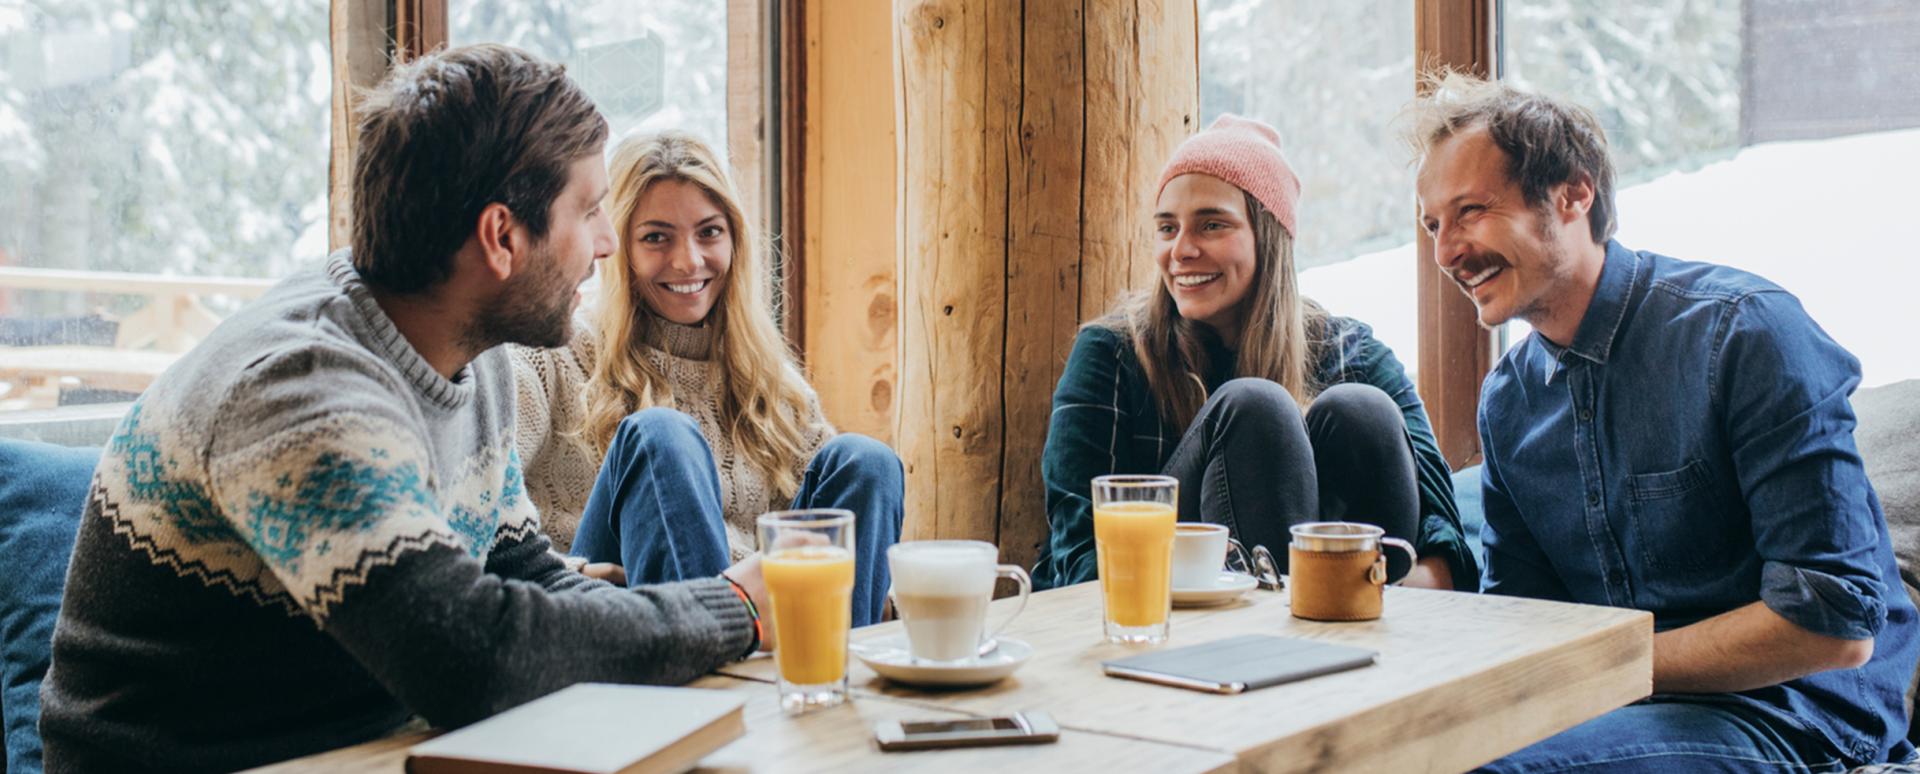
<point x="606" y="571"/>
<point x="747" y="574"/>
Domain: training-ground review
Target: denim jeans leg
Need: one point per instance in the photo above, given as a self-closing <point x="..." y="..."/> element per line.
<point x="655" y="508"/>
<point x="1663" y="737"/>
<point x="1364" y="459"/>
<point x="864" y="476"/>
<point x="1246" y="462"/>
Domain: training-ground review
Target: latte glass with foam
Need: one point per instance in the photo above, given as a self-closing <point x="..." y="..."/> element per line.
<point x="941" y="589"/>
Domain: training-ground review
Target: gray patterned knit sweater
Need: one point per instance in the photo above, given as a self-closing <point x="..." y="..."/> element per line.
<point x="302" y="535"/>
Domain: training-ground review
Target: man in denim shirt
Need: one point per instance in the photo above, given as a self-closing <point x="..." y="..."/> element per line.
<point x="1674" y="437"/>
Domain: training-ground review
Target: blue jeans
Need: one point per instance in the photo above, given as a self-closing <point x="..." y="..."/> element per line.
<point x="1664" y="737"/>
<point x="655" y="508"/>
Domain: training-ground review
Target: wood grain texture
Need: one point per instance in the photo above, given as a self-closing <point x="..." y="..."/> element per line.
<point x="1455" y="351"/>
<point x="852" y="324"/>
<point x="954" y="56"/>
<point x="746" y="105"/>
<point x="1462" y="679"/>
<point x="839" y="740"/>
<point x="1030" y="137"/>
<point x="356" y="37"/>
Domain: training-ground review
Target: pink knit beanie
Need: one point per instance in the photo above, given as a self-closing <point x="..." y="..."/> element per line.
<point x="1243" y="152"/>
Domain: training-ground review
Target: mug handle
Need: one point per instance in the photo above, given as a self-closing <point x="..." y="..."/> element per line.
<point x="1236" y="550"/>
<point x="1398" y="571"/>
<point x="1026" y="589"/>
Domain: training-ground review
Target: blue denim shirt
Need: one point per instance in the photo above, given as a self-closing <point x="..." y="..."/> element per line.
<point x="1690" y="453"/>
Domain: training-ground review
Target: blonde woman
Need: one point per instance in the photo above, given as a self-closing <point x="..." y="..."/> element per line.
<point x="1204" y="378"/>
<point x="675" y="415"/>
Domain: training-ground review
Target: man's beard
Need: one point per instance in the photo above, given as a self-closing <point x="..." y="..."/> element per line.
<point x="534" y="308"/>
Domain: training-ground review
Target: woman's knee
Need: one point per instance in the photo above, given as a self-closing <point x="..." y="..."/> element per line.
<point x="1358" y="408"/>
<point x="1256" y="404"/>
<point x="657" y="424"/>
<point x="870" y="460"/>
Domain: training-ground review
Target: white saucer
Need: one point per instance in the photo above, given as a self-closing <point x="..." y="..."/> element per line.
<point x="1227" y="586"/>
<point x="889" y="656"/>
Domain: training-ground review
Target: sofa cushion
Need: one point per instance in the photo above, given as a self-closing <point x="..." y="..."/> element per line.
<point x="41" y="497"/>
<point x="1889" y="441"/>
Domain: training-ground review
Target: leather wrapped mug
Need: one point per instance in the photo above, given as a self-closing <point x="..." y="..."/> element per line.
<point x="1338" y="570"/>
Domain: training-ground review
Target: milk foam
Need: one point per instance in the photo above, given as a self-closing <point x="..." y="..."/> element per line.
<point x="943" y="571"/>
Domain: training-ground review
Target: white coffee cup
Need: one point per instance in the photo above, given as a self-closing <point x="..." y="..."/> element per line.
<point x="1199" y="553"/>
<point x="941" y="589"/>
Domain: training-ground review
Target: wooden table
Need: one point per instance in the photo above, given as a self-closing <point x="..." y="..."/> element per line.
<point x="1462" y="679"/>
<point x="837" y="740"/>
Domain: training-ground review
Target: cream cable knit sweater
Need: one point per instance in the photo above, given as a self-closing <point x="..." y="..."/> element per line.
<point x="551" y="389"/>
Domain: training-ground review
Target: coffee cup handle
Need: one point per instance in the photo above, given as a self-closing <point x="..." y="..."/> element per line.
<point x="1026" y="589"/>
<point x="1397" y="570"/>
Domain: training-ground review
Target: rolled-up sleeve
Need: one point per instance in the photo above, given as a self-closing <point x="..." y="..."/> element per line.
<point x="1816" y="523"/>
<point x="1821" y="603"/>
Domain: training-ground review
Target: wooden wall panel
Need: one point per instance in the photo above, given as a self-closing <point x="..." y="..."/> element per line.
<point x="851" y="271"/>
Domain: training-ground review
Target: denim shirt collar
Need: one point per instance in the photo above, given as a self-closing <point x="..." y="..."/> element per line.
<point x="1600" y="326"/>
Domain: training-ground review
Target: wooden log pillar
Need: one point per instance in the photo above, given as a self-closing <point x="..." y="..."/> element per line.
<point x="1029" y="138"/>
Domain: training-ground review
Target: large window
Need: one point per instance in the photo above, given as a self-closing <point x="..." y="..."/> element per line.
<point x="1330" y="77"/>
<point x="1777" y="136"/>
<point x="162" y="159"/>
<point x="656" y="65"/>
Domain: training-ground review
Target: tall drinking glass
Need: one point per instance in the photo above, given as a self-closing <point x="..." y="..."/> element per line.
<point x="807" y="561"/>
<point x="1133" y="518"/>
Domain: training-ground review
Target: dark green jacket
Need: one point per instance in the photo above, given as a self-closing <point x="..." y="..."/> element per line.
<point x="1105" y="421"/>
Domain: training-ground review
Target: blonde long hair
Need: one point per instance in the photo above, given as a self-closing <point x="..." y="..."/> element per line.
<point x="1278" y="340"/>
<point x="763" y="399"/>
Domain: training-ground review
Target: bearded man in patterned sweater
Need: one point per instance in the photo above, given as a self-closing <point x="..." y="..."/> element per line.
<point x="312" y="529"/>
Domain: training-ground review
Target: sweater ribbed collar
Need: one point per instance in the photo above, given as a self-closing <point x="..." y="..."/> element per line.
<point x="683" y="341"/>
<point x="385" y="340"/>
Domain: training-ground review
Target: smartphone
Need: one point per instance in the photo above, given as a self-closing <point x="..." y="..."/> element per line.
<point x="1019" y="728"/>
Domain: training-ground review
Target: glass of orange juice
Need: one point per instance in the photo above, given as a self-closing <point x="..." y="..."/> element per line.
<point x="807" y="561"/>
<point x="1133" y="519"/>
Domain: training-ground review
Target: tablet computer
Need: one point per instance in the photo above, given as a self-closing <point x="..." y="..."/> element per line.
<point x="1238" y="664"/>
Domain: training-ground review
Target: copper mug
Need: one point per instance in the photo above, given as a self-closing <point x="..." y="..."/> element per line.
<point x="1338" y="570"/>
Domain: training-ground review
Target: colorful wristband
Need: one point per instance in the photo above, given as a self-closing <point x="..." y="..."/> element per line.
<point x="759" y="633"/>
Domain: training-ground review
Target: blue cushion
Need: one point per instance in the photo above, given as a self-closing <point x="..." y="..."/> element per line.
<point x="41" y="497"/>
<point x="1473" y="515"/>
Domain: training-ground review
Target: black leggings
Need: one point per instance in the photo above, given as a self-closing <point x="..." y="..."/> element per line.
<point x="1251" y="461"/>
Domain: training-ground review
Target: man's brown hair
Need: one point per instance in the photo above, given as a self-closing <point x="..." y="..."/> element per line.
<point x="446" y="135"/>
<point x="1547" y="141"/>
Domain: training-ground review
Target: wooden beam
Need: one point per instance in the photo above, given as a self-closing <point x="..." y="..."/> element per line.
<point x="848" y="195"/>
<point x="747" y="22"/>
<point x="357" y="35"/>
<point x="791" y="170"/>
<point x="1455" y="352"/>
<point x="419" y="26"/>
<point x="1029" y="137"/>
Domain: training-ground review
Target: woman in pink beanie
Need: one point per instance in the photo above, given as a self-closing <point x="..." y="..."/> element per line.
<point x="1269" y="411"/>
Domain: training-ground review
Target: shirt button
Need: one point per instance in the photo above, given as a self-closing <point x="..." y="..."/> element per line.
<point x="1586" y="416"/>
<point x="1593" y="498"/>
